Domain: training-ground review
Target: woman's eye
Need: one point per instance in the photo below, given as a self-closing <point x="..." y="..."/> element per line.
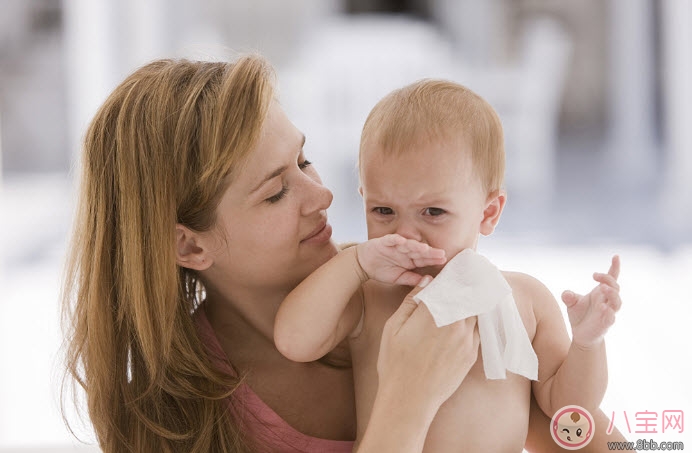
<point x="383" y="210"/>
<point x="282" y="193"/>
<point x="434" y="212"/>
<point x="304" y="164"/>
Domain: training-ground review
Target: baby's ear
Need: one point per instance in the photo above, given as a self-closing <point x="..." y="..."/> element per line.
<point x="190" y="249"/>
<point x="494" y="205"/>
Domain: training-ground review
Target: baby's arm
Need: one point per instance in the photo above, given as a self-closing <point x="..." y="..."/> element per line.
<point x="326" y="307"/>
<point x="582" y="377"/>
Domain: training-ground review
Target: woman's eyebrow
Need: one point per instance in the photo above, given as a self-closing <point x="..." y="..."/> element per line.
<point x="278" y="171"/>
<point x="269" y="177"/>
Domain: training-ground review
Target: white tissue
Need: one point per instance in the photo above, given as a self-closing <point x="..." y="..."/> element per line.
<point x="471" y="285"/>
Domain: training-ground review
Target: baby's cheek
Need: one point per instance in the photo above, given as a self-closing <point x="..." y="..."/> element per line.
<point x="451" y="240"/>
<point x="451" y="250"/>
<point x="377" y="230"/>
<point x="373" y="229"/>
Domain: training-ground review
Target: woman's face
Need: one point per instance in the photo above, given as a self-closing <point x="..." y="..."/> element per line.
<point x="273" y="216"/>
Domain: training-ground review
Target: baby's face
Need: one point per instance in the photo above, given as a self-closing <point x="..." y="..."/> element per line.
<point x="430" y="194"/>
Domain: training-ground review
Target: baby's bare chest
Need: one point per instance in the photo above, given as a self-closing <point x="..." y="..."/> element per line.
<point x="482" y="415"/>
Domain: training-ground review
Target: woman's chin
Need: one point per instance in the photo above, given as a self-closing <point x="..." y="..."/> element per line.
<point x="317" y="256"/>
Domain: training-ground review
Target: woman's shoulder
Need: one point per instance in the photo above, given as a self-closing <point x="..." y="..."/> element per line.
<point x="211" y="343"/>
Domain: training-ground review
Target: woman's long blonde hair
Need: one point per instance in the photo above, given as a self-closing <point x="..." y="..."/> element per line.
<point x="160" y="151"/>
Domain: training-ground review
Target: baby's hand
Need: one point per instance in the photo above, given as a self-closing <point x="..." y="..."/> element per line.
<point x="390" y="258"/>
<point x="591" y="315"/>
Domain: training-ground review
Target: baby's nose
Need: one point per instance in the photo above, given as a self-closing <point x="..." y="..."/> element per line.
<point x="408" y="230"/>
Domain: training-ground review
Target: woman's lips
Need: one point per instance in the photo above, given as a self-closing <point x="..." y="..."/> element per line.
<point x="321" y="234"/>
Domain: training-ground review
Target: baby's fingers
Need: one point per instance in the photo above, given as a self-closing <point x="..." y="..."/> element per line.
<point x="428" y="261"/>
<point x="606" y="279"/>
<point x="415" y="250"/>
<point x="611" y="277"/>
<point x="607" y="315"/>
<point x="570" y="298"/>
<point x="409" y="278"/>
<point x="612" y="298"/>
<point x="614" y="270"/>
<point x="392" y="240"/>
<point x="605" y="296"/>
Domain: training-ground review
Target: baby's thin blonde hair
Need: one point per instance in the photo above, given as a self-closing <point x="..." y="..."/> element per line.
<point x="161" y="150"/>
<point x="433" y="110"/>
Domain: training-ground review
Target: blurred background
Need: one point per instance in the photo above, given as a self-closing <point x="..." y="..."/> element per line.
<point x="595" y="97"/>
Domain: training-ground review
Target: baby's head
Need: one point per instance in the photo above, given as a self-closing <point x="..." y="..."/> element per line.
<point x="432" y="165"/>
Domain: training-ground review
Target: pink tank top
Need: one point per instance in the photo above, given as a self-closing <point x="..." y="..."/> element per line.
<point x="262" y="423"/>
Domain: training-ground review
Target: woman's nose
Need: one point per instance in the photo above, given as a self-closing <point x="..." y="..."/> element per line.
<point x="317" y="197"/>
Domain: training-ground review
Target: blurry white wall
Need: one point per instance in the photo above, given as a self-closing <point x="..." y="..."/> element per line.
<point x="594" y="95"/>
<point x="677" y="88"/>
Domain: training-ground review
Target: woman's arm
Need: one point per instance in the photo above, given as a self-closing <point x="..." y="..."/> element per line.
<point x="407" y="402"/>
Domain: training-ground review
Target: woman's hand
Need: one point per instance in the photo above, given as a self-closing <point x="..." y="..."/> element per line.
<point x="424" y="360"/>
<point x="420" y="366"/>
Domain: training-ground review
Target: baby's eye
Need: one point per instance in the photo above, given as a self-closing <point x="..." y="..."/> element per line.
<point x="304" y="164"/>
<point x="383" y="210"/>
<point x="565" y="429"/>
<point x="434" y="212"/>
<point x="579" y="432"/>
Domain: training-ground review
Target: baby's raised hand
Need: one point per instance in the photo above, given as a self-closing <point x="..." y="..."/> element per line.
<point x="591" y="315"/>
<point x="390" y="258"/>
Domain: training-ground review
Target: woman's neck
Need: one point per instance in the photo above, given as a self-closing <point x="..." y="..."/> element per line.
<point x="244" y="324"/>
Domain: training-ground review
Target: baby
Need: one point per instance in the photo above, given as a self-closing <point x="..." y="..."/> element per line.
<point x="431" y="168"/>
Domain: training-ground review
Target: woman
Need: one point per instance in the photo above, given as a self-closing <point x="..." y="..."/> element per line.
<point x="198" y="213"/>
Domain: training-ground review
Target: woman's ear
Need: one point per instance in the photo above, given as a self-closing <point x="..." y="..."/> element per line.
<point x="492" y="212"/>
<point x="190" y="249"/>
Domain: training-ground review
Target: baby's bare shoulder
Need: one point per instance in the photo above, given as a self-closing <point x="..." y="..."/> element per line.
<point x="530" y="292"/>
<point x="524" y="285"/>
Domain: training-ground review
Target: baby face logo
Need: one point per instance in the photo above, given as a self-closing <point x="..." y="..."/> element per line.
<point x="572" y="427"/>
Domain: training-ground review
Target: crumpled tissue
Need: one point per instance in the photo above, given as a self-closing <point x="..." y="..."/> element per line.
<point x="470" y="285"/>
